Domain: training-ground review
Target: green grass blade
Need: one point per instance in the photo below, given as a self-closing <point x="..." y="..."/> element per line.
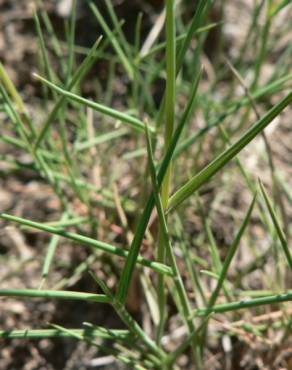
<point x="51" y="251"/>
<point x="57" y="294"/>
<point x="55" y="42"/>
<point x="201" y="11"/>
<point x="143" y="222"/>
<point x="179" y="40"/>
<point x="43" y="50"/>
<point x="230" y="254"/>
<point x="132" y="324"/>
<point x="85" y="240"/>
<point x="194" y="337"/>
<point x="96" y="332"/>
<point x="204" y="175"/>
<point x="12" y="90"/>
<point x="84" y="145"/>
<point x="129" y="358"/>
<point x="117" y="25"/>
<point x="71" y="40"/>
<point x="277" y="225"/>
<point x="9" y="86"/>
<point x="245" y="303"/>
<point x="262" y="92"/>
<point x="76" y="78"/>
<point x="113" y="39"/>
<point x="183" y="297"/>
<point x="126" y="118"/>
<point x="170" y="101"/>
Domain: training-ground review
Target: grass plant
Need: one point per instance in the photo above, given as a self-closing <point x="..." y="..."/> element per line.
<point x="185" y="275"/>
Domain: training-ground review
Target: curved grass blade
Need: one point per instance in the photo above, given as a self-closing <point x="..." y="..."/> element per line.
<point x="206" y="173"/>
<point x="85" y="240"/>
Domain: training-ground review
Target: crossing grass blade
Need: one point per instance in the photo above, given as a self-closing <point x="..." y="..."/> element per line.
<point x="85" y="240"/>
<point x="204" y="175"/>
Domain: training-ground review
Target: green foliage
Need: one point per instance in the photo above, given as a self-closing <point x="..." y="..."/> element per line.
<point x="166" y="139"/>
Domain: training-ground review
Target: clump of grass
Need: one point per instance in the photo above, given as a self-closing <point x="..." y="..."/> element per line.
<point x="164" y="138"/>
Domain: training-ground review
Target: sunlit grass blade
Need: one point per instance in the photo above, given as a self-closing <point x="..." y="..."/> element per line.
<point x="205" y="174"/>
<point x="85" y="240"/>
<point x="277" y="225"/>
<point x="143" y="222"/>
<point x="57" y="294"/>
<point x="96" y="332"/>
<point x="123" y="117"/>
